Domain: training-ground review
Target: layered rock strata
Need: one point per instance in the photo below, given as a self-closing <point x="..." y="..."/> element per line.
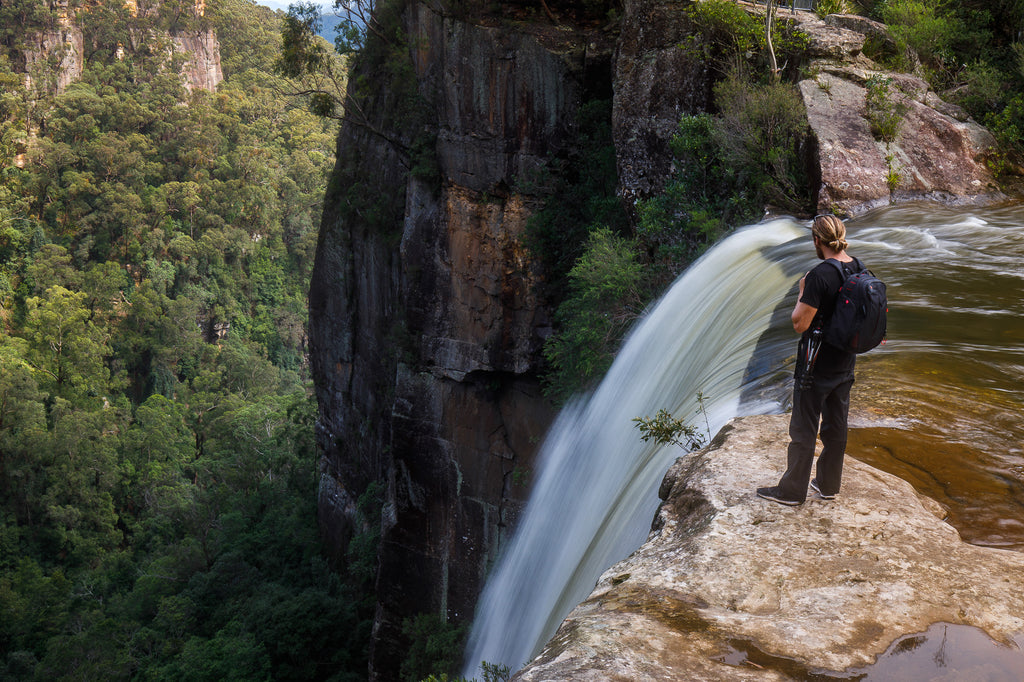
<point x="732" y="587"/>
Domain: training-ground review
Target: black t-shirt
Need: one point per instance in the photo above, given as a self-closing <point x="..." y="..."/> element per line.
<point x="820" y="288"/>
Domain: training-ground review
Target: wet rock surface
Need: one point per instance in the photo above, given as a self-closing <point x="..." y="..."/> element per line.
<point x="730" y="586"/>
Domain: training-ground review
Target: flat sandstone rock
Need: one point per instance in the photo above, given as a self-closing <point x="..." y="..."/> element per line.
<point x="732" y="587"/>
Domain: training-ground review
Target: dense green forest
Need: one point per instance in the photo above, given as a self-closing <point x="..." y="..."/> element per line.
<point x="157" y="464"/>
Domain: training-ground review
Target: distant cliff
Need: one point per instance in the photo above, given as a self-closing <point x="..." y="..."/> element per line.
<point x="427" y="312"/>
<point x="59" y="48"/>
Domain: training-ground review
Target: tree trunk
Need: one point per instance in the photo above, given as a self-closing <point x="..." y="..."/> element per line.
<point x="768" y="16"/>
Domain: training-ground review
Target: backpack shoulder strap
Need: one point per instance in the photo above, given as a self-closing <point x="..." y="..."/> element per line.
<point x="839" y="267"/>
<point x="857" y="267"/>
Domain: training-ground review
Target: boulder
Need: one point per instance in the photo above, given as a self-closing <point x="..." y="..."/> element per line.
<point x="729" y="586"/>
<point x="935" y="155"/>
<point x="938" y="153"/>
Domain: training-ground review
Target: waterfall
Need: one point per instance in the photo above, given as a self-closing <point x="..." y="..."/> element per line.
<point x="595" y="490"/>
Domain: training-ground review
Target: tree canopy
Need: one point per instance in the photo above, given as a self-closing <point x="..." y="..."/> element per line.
<point x="157" y="463"/>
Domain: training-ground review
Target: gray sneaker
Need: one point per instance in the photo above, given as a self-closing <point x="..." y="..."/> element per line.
<point x="815" y="488"/>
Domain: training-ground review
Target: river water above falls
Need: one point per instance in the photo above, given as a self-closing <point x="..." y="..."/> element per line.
<point x="938" y="405"/>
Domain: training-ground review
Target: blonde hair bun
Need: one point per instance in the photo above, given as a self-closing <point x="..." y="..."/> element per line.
<point x="831" y="231"/>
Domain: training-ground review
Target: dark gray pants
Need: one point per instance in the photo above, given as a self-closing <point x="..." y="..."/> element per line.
<point x="826" y="402"/>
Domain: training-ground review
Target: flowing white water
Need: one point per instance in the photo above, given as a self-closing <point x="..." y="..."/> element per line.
<point x="596" y="486"/>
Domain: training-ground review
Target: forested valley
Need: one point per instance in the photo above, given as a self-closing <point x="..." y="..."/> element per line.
<point x="157" y="464"/>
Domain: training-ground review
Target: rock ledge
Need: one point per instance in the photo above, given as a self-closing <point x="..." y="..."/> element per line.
<point x="826" y="586"/>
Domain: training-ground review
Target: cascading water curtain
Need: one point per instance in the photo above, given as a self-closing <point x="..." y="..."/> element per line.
<point x="595" y="491"/>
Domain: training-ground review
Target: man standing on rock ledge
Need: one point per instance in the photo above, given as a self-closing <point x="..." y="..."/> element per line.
<point x="821" y="392"/>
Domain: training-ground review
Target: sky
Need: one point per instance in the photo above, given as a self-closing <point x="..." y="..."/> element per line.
<point x="283" y="4"/>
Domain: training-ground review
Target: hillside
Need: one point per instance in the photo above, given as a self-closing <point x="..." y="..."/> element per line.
<point x="157" y="471"/>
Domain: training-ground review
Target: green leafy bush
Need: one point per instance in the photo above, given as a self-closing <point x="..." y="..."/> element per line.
<point x="1008" y="126"/>
<point x="723" y="28"/>
<point x="604" y="298"/>
<point x="728" y="167"/>
<point x="825" y="7"/>
<point x="490" y="672"/>
<point x="696" y="206"/>
<point x="884" y="113"/>
<point x="984" y="89"/>
<point x="435" y="644"/>
<point x="761" y="132"/>
<point x="664" y="429"/>
<point x="724" y="33"/>
<point x="925" y="31"/>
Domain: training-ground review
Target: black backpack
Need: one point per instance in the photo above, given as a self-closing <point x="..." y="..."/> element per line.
<point x="858" y="323"/>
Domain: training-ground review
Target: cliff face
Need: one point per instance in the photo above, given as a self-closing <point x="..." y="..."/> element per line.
<point x="426" y="313"/>
<point x="63" y="45"/>
<point x="656" y="83"/>
<point x="202" y="70"/>
<point x="426" y="325"/>
<point x="731" y="587"/>
<point x="60" y="51"/>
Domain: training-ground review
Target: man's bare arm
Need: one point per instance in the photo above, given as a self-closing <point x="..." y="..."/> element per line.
<point x="803" y="314"/>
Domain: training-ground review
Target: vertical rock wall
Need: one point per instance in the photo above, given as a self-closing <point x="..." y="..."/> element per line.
<point x="64" y="46"/>
<point x="203" y="70"/>
<point x="656" y="82"/>
<point x="426" y="326"/>
<point x="61" y="51"/>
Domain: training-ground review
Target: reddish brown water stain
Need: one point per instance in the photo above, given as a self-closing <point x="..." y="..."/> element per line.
<point x="985" y="503"/>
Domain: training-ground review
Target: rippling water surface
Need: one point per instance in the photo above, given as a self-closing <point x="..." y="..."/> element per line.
<point x="941" y="404"/>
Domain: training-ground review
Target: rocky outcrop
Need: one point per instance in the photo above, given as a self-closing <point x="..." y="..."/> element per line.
<point x="59" y="53"/>
<point x="937" y="154"/>
<point x="202" y="50"/>
<point x="732" y="587"/>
